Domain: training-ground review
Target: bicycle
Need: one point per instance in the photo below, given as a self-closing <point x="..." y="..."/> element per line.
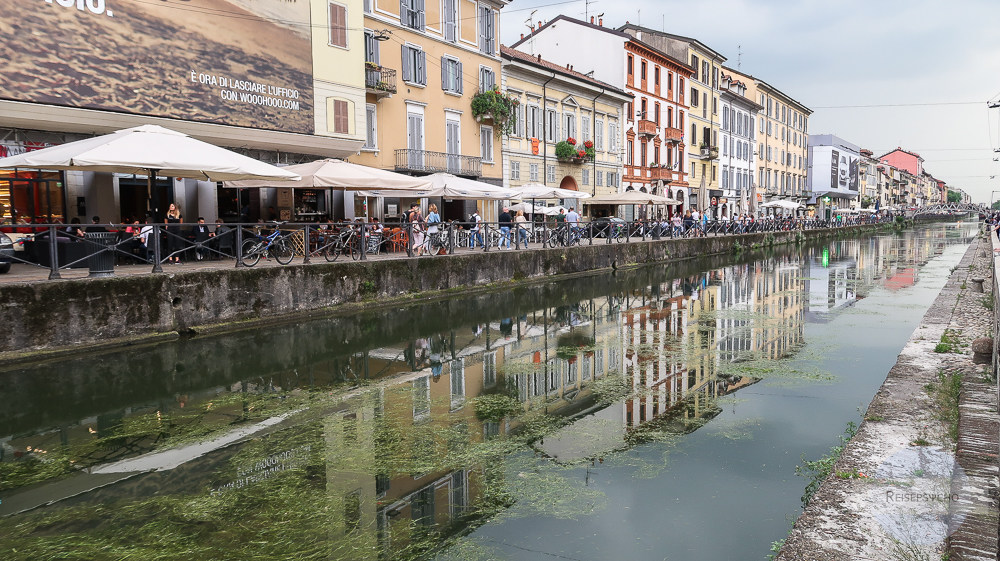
<point x="347" y="240"/>
<point x="435" y="242"/>
<point x="272" y="244"/>
<point x="565" y="235"/>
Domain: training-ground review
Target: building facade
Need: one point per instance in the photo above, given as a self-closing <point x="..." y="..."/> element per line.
<point x="281" y="86"/>
<point x="736" y="154"/>
<point x="424" y="62"/>
<point x="834" y="174"/>
<point x="782" y="142"/>
<point x="557" y="104"/>
<point x="702" y="91"/>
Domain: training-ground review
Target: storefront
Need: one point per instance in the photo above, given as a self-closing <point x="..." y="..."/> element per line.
<point x="32" y="197"/>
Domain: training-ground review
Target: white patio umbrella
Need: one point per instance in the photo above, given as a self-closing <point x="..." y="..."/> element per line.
<point x="152" y="150"/>
<point x="631" y="198"/>
<point x="339" y="174"/>
<point x="789" y="205"/>
<point x="535" y="191"/>
<point x="450" y="187"/>
<point x="148" y="149"/>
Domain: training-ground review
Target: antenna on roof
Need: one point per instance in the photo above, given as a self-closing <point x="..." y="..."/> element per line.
<point x="531" y="18"/>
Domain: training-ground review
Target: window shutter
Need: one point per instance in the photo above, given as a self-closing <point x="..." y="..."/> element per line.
<point x="421" y="68"/>
<point x="406" y="65"/>
<point x="444" y="74"/>
<point x="459" y="82"/>
<point x="403" y="10"/>
<point x="421" y="15"/>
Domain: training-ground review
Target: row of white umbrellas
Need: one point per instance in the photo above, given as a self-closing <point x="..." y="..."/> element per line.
<point x="155" y="150"/>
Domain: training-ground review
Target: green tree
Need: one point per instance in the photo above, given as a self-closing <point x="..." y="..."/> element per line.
<point x="996" y="206"/>
<point x="954" y="197"/>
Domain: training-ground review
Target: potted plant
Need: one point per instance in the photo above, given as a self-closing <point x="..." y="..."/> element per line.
<point x="565" y="151"/>
<point x="497" y="106"/>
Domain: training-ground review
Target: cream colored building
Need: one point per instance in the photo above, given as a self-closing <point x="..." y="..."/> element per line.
<point x="782" y="142"/>
<point x="423" y="63"/>
<point x="555" y="103"/>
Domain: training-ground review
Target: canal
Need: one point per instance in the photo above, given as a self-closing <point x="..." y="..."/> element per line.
<point x="654" y="413"/>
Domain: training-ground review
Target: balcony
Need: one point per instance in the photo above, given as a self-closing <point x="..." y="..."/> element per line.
<point x="710" y="152"/>
<point x="657" y="173"/>
<point x="646" y="128"/>
<point x="380" y="81"/>
<point x="424" y="161"/>
<point x="672" y="134"/>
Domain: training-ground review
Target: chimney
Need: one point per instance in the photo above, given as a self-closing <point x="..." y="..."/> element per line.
<point x="522" y="36"/>
<point x="539" y="23"/>
<point x="600" y="22"/>
<point x="591" y="20"/>
<point x="539" y="57"/>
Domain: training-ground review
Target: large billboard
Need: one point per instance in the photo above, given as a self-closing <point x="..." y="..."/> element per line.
<point x="246" y="63"/>
<point x="844" y="168"/>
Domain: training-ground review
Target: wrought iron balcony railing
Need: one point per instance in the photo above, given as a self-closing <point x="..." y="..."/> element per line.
<point x="425" y="161"/>
<point x="380" y="81"/>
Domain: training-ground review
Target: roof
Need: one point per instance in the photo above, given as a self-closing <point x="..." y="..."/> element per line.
<point x="771" y="88"/>
<point x="898" y="149"/>
<point x="538" y="61"/>
<point x="691" y="40"/>
<point x="659" y="52"/>
<point x="571" y="20"/>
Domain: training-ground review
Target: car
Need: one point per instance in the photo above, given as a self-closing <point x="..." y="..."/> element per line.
<point x="6" y="252"/>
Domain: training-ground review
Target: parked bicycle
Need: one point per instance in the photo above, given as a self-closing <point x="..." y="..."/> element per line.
<point x="347" y="241"/>
<point x="273" y="244"/>
<point x="564" y="235"/>
<point x="435" y="242"/>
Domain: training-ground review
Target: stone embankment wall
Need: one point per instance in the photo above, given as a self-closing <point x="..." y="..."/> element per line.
<point x="902" y="488"/>
<point x="74" y="315"/>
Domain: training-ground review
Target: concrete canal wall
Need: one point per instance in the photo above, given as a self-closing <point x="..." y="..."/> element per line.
<point x="905" y="487"/>
<point x="75" y="315"/>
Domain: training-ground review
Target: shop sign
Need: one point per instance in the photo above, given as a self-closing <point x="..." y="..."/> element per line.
<point x="715" y="202"/>
<point x="11" y="148"/>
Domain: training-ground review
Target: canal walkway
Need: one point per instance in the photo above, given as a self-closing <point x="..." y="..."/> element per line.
<point x="904" y="487"/>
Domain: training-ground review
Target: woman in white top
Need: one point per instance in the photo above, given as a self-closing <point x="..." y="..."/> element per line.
<point x="521" y="223"/>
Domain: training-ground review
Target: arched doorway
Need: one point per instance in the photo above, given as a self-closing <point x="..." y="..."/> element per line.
<point x="569" y="182"/>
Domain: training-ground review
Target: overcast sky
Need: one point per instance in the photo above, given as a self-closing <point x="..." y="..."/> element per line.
<point x="929" y="66"/>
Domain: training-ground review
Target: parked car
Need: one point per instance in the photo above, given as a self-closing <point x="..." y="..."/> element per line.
<point x="602" y="225"/>
<point x="6" y="252"/>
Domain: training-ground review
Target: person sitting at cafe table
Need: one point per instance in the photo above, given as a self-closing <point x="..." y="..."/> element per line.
<point x="96" y="226"/>
<point x="202" y="234"/>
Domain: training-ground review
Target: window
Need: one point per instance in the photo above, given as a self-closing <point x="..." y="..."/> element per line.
<point x="704" y="72"/>
<point x="715" y="105"/>
<point x="487" y="78"/>
<point x="534" y="121"/>
<point x="569" y="125"/>
<point x="550" y="174"/>
<point x="694" y="97"/>
<point x="371" y="47"/>
<point x="551" y="125"/>
<point x="643" y="150"/>
<point x="642" y="70"/>
<point x="519" y="130"/>
<point x="371" y="128"/>
<point x="532" y="172"/>
<point x="630" y="64"/>
<point x="613" y="137"/>
<point x="338" y="25"/>
<point x="597" y="178"/>
<point x="670" y="117"/>
<point x="414" y="65"/>
<point x="599" y="136"/>
<point x="486" y="30"/>
<point x="656" y="154"/>
<point x="586" y="176"/>
<point x="341" y="117"/>
<point x="449" y="20"/>
<point x="656" y="113"/>
<point x="629" y="148"/>
<point x="585" y="127"/>
<point x="515" y="171"/>
<point x="694" y="64"/>
<point x="411" y="14"/>
<point x="628" y="110"/>
<point x="486" y="143"/>
<point x="642" y="109"/>
<point x="694" y="134"/>
<point x="451" y="75"/>
<point x="368" y="6"/>
<point x="656" y="75"/>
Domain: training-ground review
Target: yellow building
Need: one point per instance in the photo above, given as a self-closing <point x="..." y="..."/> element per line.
<point x="782" y="142"/>
<point x="424" y="61"/>
<point x="704" y="113"/>
<point x="556" y="103"/>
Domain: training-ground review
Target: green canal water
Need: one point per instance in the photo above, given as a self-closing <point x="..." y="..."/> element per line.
<point x="655" y="413"/>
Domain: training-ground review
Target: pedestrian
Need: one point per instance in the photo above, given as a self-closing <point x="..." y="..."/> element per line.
<point x="520" y="223"/>
<point x="476" y="232"/>
<point x="417" y="228"/>
<point x="433" y="221"/>
<point x="175" y="244"/>
<point x="505" y="222"/>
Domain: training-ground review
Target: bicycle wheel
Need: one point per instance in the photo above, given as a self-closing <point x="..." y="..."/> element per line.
<point x="250" y="253"/>
<point x="282" y="252"/>
<point x="355" y="248"/>
<point x="332" y="251"/>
